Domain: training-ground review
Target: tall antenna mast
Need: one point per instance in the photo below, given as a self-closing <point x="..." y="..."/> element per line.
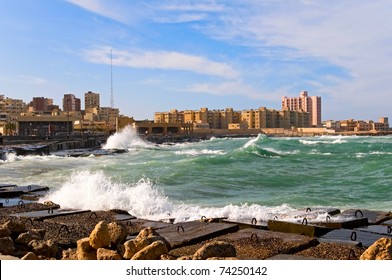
<point x="111" y="80"/>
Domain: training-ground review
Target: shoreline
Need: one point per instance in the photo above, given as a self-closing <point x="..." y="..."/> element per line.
<point x="252" y="240"/>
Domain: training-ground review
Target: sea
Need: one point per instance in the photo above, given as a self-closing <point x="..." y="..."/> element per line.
<point x="240" y="179"/>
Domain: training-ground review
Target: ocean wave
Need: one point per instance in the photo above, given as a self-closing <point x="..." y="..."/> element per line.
<point x="327" y="141"/>
<point x="125" y="139"/>
<point x="194" y="152"/>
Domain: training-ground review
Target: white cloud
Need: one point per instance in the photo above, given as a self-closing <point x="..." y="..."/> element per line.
<point x="236" y="88"/>
<point x="104" y="8"/>
<point x="162" y="60"/>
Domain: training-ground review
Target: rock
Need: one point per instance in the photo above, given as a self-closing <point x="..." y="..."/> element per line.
<point x="185" y="258"/>
<point x="146" y="237"/>
<point x="26" y="237"/>
<point x="118" y="233"/>
<point x="380" y="250"/>
<point x="4" y="231"/>
<point x="7" y="246"/>
<point x="41" y="232"/>
<point x="51" y="204"/>
<point x="221" y="259"/>
<point x="129" y="249"/>
<point x="152" y="251"/>
<point x="30" y="256"/>
<point x="151" y="236"/>
<point x="84" y="250"/>
<point x="99" y="237"/>
<point x="46" y="249"/>
<point x="70" y="254"/>
<point x="167" y="257"/>
<point x="16" y="227"/>
<point x="215" y="249"/>
<point x="106" y="254"/>
<point x="7" y="257"/>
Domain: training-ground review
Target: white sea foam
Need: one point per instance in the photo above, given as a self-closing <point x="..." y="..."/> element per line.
<point x="194" y="152"/>
<point x="95" y="191"/>
<point x="125" y="139"/>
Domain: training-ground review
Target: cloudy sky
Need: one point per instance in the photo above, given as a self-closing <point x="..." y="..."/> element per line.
<point x="187" y="54"/>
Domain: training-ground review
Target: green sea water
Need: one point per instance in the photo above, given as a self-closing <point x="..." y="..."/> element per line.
<point x="239" y="178"/>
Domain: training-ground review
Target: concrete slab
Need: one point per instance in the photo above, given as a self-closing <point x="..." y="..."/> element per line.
<point x="310" y="230"/>
<point x="141" y="223"/>
<point x="189" y="233"/>
<point x="46" y="214"/>
<point x="348" y="224"/>
<point x="123" y="217"/>
<point x="8" y="192"/>
<point x="387" y="223"/>
<point x="248" y="223"/>
<point x="365" y="238"/>
<point x="378" y="229"/>
<point x="262" y="244"/>
<point x="374" y="217"/>
<point x="321" y="210"/>
<point x="7" y="186"/>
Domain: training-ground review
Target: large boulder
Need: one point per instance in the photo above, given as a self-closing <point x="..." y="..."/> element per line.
<point x="26" y="237"/>
<point x="145" y="237"/>
<point x="30" y="256"/>
<point x="84" y="250"/>
<point x="99" y="237"/>
<point x="70" y="254"/>
<point x="47" y="249"/>
<point x="218" y="249"/>
<point x="16" y="227"/>
<point x="7" y="246"/>
<point x="380" y="250"/>
<point x="106" y="254"/>
<point x="118" y="233"/>
<point x="152" y="251"/>
<point x="4" y="231"/>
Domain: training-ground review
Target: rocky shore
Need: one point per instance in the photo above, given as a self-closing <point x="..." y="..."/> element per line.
<point x="45" y="231"/>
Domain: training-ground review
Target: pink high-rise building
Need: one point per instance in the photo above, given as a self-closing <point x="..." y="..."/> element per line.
<point x="310" y="104"/>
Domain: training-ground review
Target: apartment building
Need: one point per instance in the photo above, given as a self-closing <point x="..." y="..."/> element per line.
<point x="91" y="100"/>
<point x="270" y="118"/>
<point x="227" y="118"/>
<point x="309" y="104"/>
<point x="12" y="107"/>
<point x="71" y="103"/>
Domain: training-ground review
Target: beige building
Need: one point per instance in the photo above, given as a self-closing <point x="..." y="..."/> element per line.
<point x="12" y="107"/>
<point x="91" y="100"/>
<point x="228" y="118"/>
<point x="310" y="104"/>
<point x="270" y="118"/>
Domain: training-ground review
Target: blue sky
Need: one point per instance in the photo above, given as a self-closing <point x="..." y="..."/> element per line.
<point x="188" y="54"/>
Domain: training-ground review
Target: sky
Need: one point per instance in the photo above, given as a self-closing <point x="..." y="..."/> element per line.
<point x="158" y="55"/>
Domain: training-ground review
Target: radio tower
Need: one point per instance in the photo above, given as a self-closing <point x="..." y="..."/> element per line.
<point x="111" y="81"/>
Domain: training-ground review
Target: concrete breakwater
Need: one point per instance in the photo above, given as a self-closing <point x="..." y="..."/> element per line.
<point x="38" y="146"/>
<point x="46" y="231"/>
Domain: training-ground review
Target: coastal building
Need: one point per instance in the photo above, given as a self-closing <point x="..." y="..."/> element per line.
<point x="45" y="125"/>
<point x="43" y="105"/>
<point x="228" y="118"/>
<point x="360" y="125"/>
<point x="91" y="100"/>
<point x="109" y="115"/>
<point x="71" y="103"/>
<point x="270" y="118"/>
<point x="309" y="104"/>
<point x="12" y="107"/>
